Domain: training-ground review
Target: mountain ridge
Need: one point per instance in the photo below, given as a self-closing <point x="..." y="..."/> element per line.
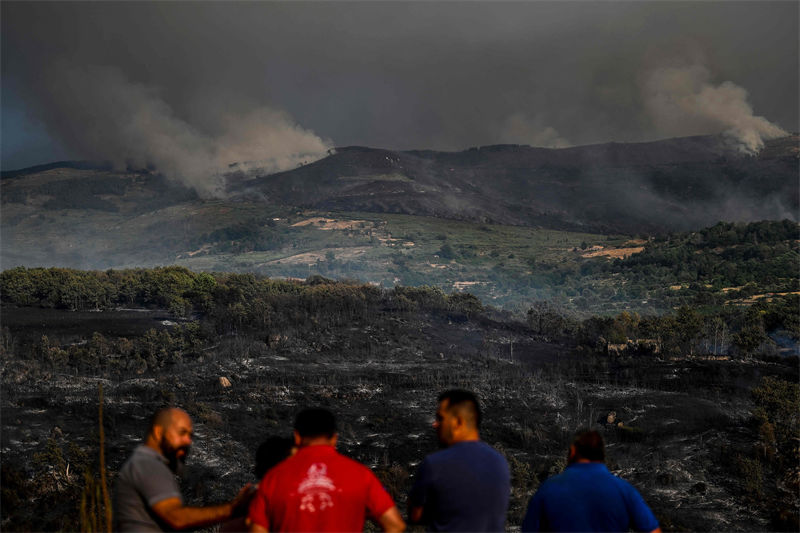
<point x="676" y="184"/>
<point x="649" y="188"/>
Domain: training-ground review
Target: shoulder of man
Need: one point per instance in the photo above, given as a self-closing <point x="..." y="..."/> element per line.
<point x="285" y="468"/>
<point x="493" y="451"/>
<point x="642" y="517"/>
<point x="480" y="449"/>
<point x="624" y="485"/>
<point x="149" y="476"/>
<point x="354" y="465"/>
<point x="556" y="482"/>
<point x="144" y="461"/>
<point x="454" y="452"/>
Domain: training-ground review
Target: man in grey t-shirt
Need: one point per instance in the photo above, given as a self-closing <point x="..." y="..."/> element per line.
<point x="147" y="496"/>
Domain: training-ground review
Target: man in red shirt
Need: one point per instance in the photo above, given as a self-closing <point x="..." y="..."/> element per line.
<point x="318" y="489"/>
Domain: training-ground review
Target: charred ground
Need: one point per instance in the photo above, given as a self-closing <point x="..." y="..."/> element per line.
<point x="707" y="439"/>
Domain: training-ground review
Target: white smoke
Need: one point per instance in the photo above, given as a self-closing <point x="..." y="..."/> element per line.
<point x="102" y="115"/>
<point x="519" y="128"/>
<point x="682" y="101"/>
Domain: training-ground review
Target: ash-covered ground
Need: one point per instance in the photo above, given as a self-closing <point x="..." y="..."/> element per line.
<point x="686" y="440"/>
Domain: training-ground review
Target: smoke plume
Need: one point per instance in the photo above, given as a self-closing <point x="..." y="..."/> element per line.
<point x="683" y="101"/>
<point x="518" y="128"/>
<point x="100" y="114"/>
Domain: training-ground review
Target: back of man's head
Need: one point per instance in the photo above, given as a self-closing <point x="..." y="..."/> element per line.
<point x="589" y="445"/>
<point x="465" y="404"/>
<point x="315" y="422"/>
<point x="271" y="452"/>
<point x="162" y="418"/>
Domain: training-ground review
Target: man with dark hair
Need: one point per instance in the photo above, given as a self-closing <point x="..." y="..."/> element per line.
<point x="268" y="454"/>
<point x="466" y="486"/>
<point x="587" y="497"/>
<point x="271" y="452"/>
<point x="318" y="489"/>
<point x="147" y="496"/>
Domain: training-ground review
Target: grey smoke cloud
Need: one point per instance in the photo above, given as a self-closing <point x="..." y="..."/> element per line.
<point x="683" y="101"/>
<point x="131" y="124"/>
<point x="518" y="128"/>
<point x="398" y="75"/>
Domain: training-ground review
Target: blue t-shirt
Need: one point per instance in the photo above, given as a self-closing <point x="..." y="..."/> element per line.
<point x="463" y="488"/>
<point x="587" y="497"/>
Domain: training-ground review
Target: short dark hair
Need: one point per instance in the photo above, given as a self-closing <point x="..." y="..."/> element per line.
<point x="589" y="445"/>
<point x="315" y="422"/>
<point x="464" y="401"/>
<point x="271" y="452"/>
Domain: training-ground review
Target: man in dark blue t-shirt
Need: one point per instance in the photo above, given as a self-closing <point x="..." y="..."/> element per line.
<point x="464" y="487"/>
<point x="587" y="497"/>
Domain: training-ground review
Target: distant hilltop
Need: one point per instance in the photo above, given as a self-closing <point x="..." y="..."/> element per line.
<point x="650" y="187"/>
<point x="674" y="184"/>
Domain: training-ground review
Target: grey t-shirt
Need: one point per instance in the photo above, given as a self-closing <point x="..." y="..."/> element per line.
<point x="144" y="480"/>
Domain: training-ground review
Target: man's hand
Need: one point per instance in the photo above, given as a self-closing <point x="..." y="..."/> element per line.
<point x="242" y="500"/>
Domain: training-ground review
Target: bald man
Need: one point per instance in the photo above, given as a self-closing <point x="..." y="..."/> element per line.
<point x="147" y="496"/>
<point x="465" y="486"/>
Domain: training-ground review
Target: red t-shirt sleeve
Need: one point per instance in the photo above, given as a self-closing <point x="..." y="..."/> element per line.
<point x="257" y="512"/>
<point x="378" y="500"/>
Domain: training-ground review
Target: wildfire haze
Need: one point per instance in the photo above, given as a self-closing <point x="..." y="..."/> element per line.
<point x="191" y="88"/>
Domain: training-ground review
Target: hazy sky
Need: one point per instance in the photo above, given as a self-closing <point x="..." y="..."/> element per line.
<point x="189" y="85"/>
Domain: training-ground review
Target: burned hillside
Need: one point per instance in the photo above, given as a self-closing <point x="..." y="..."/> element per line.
<point x="707" y="439"/>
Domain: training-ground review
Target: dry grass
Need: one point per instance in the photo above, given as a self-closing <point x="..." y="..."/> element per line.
<point x="768" y="296"/>
<point x="616" y="253"/>
<point x="311" y="258"/>
<point x="331" y="223"/>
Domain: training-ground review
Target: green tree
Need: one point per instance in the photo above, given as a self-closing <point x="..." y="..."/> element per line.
<point x="447" y="252"/>
<point x="752" y="335"/>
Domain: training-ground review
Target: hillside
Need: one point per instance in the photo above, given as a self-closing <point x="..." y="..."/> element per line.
<point x="676" y="184"/>
<point x="708" y="420"/>
<point x="482" y="227"/>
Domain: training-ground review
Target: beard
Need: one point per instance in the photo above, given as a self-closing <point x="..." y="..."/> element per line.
<point x="176" y="460"/>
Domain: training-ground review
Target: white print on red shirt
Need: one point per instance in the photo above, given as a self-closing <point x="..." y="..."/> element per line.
<point x="316" y="488"/>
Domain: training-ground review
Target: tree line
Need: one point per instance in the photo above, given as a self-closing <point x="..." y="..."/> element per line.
<point x="230" y="302"/>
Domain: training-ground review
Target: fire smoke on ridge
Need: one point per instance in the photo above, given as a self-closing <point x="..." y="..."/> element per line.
<point x="101" y="114"/>
<point x="682" y="101"/>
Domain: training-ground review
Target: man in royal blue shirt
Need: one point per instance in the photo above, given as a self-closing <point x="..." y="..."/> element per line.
<point x="587" y="497"/>
<point x="464" y="487"/>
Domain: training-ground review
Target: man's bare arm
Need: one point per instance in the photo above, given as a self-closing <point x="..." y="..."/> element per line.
<point x="255" y="528"/>
<point x="391" y="521"/>
<point x="177" y="516"/>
